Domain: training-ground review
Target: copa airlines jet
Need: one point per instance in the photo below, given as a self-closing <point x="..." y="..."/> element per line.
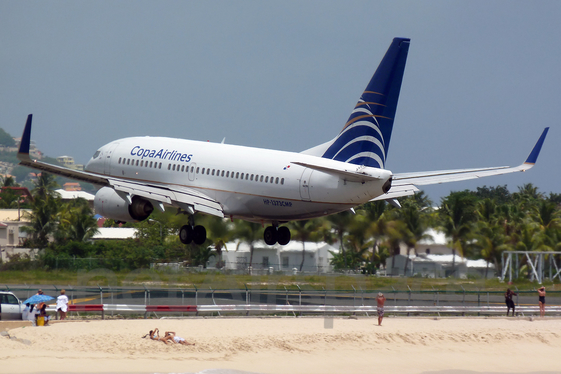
<point x="138" y="174"/>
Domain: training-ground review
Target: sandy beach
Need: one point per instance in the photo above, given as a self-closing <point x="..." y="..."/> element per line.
<point x="287" y="345"/>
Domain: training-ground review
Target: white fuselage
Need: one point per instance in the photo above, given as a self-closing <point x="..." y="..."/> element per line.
<point x="250" y="183"/>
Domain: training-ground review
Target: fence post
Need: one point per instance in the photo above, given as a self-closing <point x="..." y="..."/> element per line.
<point x="145" y="301"/>
<point x="464" y="300"/>
<point x="196" y="298"/>
<point x="354" y="296"/>
<point x="409" y="300"/>
<point x="394" y="296"/>
<point x="299" y="299"/>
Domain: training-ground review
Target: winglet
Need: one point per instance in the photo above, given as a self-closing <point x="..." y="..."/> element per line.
<point x="23" y="152"/>
<point x="533" y="157"/>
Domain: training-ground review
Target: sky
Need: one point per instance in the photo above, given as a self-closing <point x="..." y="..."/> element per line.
<point x="481" y="83"/>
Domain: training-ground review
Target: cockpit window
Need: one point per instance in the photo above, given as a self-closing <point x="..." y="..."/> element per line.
<point x="96" y="154"/>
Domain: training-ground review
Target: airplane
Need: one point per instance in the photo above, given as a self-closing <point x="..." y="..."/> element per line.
<point x="136" y="175"/>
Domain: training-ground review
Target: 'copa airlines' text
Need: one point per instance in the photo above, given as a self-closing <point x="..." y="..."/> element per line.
<point x="161" y="154"/>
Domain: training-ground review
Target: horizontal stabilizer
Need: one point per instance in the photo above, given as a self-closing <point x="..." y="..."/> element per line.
<point x="348" y="175"/>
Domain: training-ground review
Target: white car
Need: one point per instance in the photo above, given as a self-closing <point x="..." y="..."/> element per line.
<point x="10" y="306"/>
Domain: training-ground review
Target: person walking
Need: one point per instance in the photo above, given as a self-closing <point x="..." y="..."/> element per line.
<point x="508" y="301"/>
<point x="380" y="300"/>
<point x="541" y="300"/>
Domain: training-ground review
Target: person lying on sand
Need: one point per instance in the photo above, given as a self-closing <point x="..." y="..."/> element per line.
<point x="177" y="339"/>
<point x="155" y="335"/>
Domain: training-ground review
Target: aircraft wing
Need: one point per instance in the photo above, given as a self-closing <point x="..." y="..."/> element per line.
<point x="404" y="184"/>
<point x="185" y="198"/>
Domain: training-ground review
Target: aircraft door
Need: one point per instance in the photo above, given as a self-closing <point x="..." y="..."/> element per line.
<point x="305" y="184"/>
<point x="192" y="171"/>
<point x="107" y="155"/>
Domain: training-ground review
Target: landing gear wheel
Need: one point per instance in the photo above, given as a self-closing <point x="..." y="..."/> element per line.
<point x="186" y="234"/>
<point x="199" y="235"/>
<point x="283" y="235"/>
<point x="270" y="235"/>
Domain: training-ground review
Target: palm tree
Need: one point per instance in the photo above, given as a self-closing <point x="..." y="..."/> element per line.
<point x="46" y="205"/>
<point x="219" y="233"/>
<point x="76" y="222"/>
<point x="340" y="224"/>
<point x="415" y="219"/>
<point x="457" y="215"/>
<point x="304" y="231"/>
<point x="249" y="233"/>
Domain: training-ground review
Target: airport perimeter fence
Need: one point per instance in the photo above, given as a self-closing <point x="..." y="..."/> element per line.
<point x="291" y="300"/>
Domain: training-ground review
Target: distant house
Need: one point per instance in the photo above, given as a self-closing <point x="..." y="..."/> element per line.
<point x="75" y="194"/>
<point x="437" y="266"/>
<point x="276" y="257"/>
<point x="115" y="233"/>
<point x="11" y="221"/>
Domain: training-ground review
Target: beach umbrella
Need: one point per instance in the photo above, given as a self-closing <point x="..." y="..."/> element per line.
<point x="38" y="299"/>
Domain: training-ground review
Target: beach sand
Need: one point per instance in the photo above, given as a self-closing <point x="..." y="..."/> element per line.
<point x="287" y="345"/>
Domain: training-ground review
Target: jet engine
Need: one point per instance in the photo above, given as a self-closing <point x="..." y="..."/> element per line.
<point x="110" y="205"/>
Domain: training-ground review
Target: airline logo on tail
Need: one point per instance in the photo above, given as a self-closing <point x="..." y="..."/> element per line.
<point x="366" y="136"/>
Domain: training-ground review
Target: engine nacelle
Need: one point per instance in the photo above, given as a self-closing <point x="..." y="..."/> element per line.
<point x="110" y="205"/>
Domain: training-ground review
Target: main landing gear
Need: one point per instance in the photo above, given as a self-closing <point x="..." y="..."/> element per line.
<point x="196" y="234"/>
<point x="275" y="234"/>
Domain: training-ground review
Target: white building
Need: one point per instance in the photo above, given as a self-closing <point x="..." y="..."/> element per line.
<point x="286" y="258"/>
<point x="438" y="266"/>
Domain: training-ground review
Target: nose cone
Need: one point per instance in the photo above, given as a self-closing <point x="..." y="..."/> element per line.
<point x="95" y="164"/>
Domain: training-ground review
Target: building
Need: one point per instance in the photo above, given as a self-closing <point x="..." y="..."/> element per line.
<point x="11" y="237"/>
<point x="114" y="233"/>
<point x="438" y="266"/>
<point x="68" y="161"/>
<point x="276" y="258"/>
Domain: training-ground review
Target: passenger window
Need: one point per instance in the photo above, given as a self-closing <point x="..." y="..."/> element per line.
<point x="247" y="177"/>
<point x="277" y="180"/>
<point x="272" y="178"/>
<point x="208" y="171"/>
<point x="238" y="175"/>
<point x="136" y="162"/>
<point x="169" y="166"/>
<point x="142" y="163"/>
<point x="197" y="170"/>
<point x="128" y="161"/>
<point x="173" y="168"/>
<point x="151" y="163"/>
<point x="251" y="179"/>
<point x="227" y="174"/>
<point x="241" y="176"/>
<point x="282" y="180"/>
<point x="232" y="174"/>
<point x="160" y="166"/>
<point x="222" y="172"/>
<point x="203" y="171"/>
<point x="119" y="160"/>
<point x="182" y="167"/>
<point x="213" y="171"/>
<point x="192" y="169"/>
<point x="261" y="179"/>
<point x="266" y="179"/>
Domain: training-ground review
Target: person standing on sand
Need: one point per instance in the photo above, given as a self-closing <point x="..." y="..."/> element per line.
<point x="541" y="294"/>
<point x="62" y="304"/>
<point x="509" y="302"/>
<point x="380" y="300"/>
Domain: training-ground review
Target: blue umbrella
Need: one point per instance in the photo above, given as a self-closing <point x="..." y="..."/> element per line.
<point x="38" y="299"/>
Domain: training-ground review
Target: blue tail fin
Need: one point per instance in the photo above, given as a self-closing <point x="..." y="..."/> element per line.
<point x="365" y="139"/>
